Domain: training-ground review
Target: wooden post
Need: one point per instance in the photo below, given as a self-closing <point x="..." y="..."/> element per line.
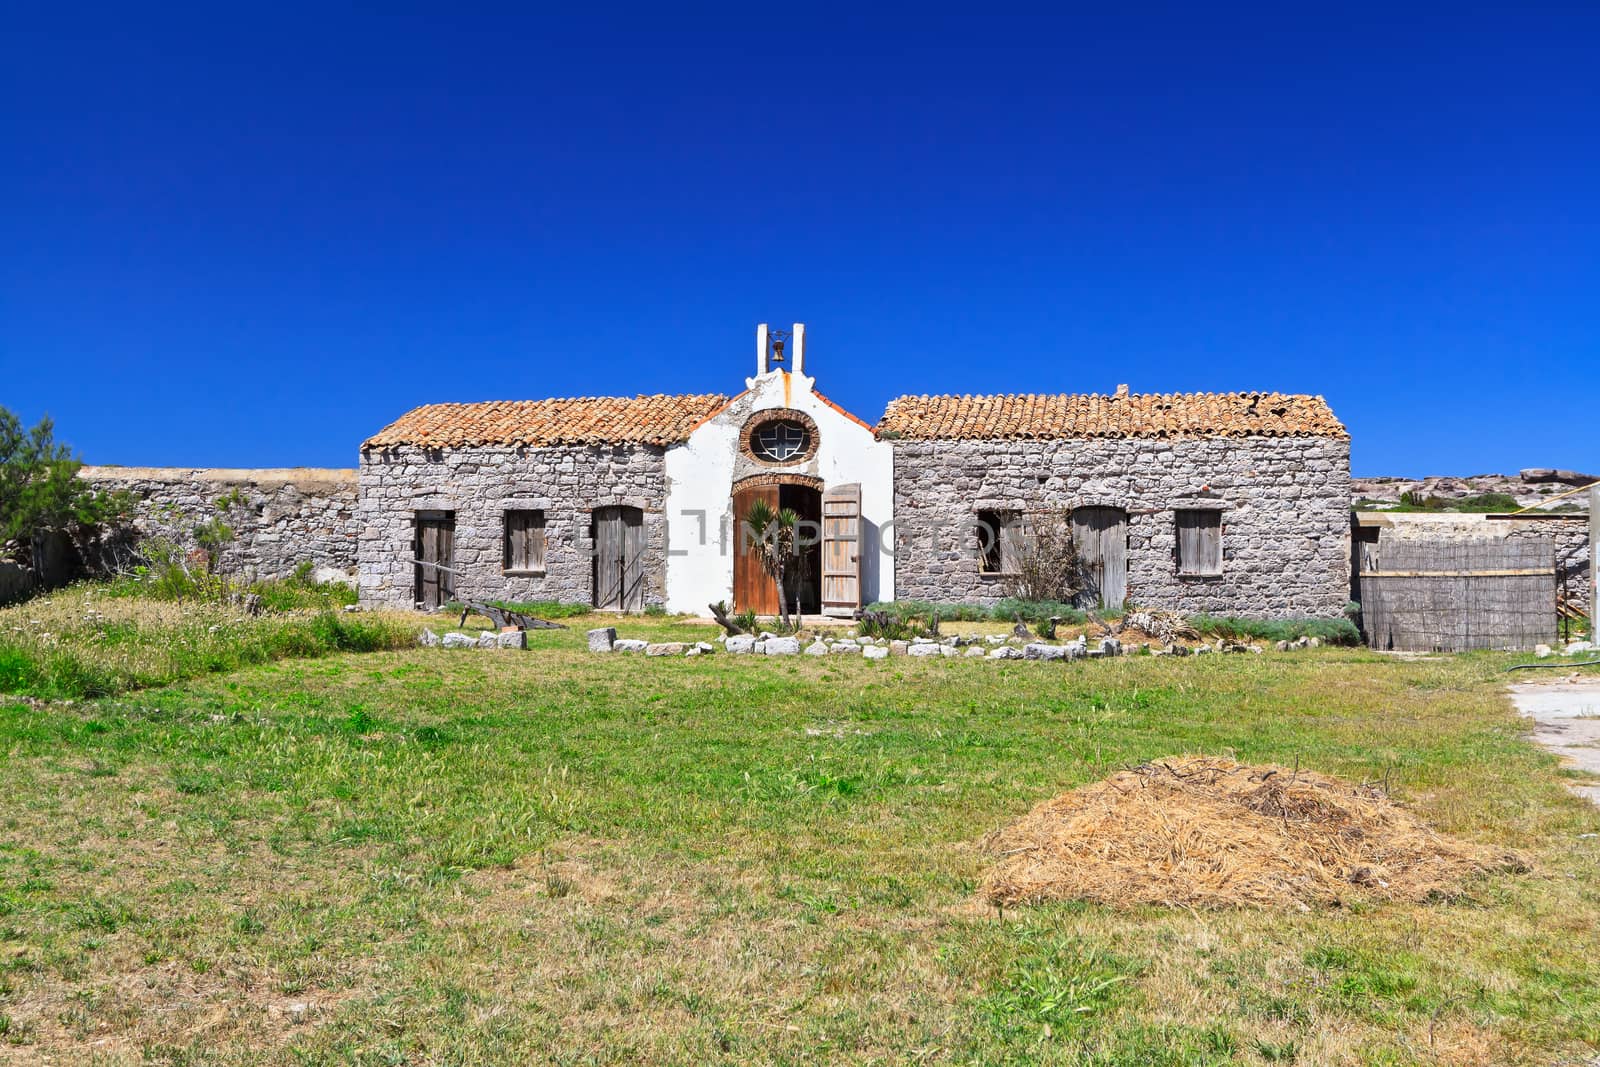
<point x="1594" y="561"/>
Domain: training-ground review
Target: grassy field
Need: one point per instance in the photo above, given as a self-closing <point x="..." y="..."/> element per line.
<point x="479" y="857"/>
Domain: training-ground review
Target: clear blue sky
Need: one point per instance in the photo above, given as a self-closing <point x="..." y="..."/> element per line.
<point x="252" y="236"/>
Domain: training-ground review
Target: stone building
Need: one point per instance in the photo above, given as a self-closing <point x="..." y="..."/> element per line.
<point x="1231" y="503"/>
<point x="626" y="502"/>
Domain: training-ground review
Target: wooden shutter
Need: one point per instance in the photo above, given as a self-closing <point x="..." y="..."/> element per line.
<point x="841" y="550"/>
<point x="1200" y="541"/>
<point x="524" y="550"/>
<point x="1012" y="531"/>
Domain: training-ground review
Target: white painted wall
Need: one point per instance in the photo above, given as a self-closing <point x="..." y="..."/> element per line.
<point x="700" y="475"/>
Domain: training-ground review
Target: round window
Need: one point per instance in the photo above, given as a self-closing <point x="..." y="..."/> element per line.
<point x="780" y="440"/>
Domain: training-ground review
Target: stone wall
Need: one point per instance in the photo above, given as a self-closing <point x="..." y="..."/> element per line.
<point x="283" y="517"/>
<point x="479" y="485"/>
<point x="1285" y="501"/>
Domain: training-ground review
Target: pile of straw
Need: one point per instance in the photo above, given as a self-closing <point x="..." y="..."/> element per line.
<point x="1198" y="831"/>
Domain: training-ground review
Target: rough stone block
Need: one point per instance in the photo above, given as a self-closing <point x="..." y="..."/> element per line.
<point x="740" y="644"/>
<point x="817" y="648"/>
<point x="665" y="648"/>
<point x="602" y="639"/>
<point x="488" y="640"/>
<point x="875" y="652"/>
<point x="1041" y="651"/>
<point x="513" y="639"/>
<point x="427" y="638"/>
<point x="1005" y="652"/>
<point x="630" y="644"/>
<point x="782" y="646"/>
<point x="456" y="639"/>
<point x="925" y="650"/>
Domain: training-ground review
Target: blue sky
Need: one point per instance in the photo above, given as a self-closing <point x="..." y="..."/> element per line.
<point x="252" y="237"/>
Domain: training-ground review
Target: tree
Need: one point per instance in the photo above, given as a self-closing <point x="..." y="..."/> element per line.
<point x="1048" y="567"/>
<point x="41" y="493"/>
<point x="774" y="545"/>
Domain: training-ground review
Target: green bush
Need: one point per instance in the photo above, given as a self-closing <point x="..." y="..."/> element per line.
<point x="1329" y="631"/>
<point x="549" y="610"/>
<point x="1032" y="612"/>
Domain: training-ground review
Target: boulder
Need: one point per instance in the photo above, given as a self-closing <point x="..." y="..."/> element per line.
<point x="1042" y="651"/>
<point x="488" y="640"/>
<point x="925" y="650"/>
<point x="782" y="646"/>
<point x="817" y="648"/>
<point x="1005" y="652"/>
<point x="603" y="639"/>
<point x="875" y="652"/>
<point x="456" y="639"/>
<point x="517" y="639"/>
<point x="740" y="644"/>
<point x="898" y="648"/>
<point x="975" y="650"/>
<point x="665" y="648"/>
<point x="630" y="644"/>
<point x="1110" y="646"/>
<point x="427" y="638"/>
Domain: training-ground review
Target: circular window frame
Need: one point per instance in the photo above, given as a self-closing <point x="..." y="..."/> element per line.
<point x="771" y="415"/>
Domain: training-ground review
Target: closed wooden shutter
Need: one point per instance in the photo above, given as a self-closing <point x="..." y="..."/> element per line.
<point x="1200" y="541"/>
<point x="524" y="550"/>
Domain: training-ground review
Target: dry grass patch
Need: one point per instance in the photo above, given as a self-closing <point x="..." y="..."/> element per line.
<point x="1202" y="831"/>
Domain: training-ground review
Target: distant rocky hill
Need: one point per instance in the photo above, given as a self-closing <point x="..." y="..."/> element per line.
<point x="1527" y="488"/>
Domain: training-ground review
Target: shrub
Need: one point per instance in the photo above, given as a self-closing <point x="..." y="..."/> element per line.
<point x="1330" y="631"/>
<point x="1048" y="567"/>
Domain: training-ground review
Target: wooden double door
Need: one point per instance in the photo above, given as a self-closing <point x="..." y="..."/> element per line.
<point x="829" y="541"/>
<point x="619" y="546"/>
<point x="1101" y="536"/>
<point x="433" y="549"/>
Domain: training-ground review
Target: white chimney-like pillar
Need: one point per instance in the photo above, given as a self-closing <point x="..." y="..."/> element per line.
<point x="761" y="349"/>
<point x="799" y="348"/>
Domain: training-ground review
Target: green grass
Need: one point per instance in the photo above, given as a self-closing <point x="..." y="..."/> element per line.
<point x="549" y="610"/>
<point x="431" y="856"/>
<point x="88" y="641"/>
<point x="1329" y="631"/>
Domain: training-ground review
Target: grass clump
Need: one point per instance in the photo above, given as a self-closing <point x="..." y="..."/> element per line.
<point x="85" y="642"/>
<point x="549" y="610"/>
<point x="1329" y="631"/>
<point x="166" y="578"/>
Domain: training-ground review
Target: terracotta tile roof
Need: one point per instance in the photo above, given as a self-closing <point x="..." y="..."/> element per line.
<point x="1120" y="415"/>
<point x="590" y="420"/>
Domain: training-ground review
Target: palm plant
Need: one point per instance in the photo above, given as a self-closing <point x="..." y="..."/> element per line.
<point x="774" y="545"/>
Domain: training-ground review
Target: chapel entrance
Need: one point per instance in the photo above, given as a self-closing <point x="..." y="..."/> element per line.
<point x="753" y="589"/>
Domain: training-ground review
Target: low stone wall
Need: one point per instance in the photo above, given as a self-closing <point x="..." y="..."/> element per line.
<point x="1285" y="511"/>
<point x="284" y="517"/>
<point x="479" y="485"/>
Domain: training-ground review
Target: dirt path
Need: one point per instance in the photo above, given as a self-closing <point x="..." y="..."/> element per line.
<point x="1566" y="716"/>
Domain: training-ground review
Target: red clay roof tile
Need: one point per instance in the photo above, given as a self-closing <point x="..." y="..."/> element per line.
<point x="1148" y="415"/>
<point x="645" y="420"/>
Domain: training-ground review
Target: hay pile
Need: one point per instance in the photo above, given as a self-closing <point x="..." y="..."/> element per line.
<point x="1198" y="831"/>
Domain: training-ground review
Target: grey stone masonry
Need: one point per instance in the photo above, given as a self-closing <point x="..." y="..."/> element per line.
<point x="1285" y="504"/>
<point x="479" y="485"/>
<point x="282" y="517"/>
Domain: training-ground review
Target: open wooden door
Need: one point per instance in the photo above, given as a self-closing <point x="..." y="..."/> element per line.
<point x="841" y="550"/>
<point x="1101" y="535"/>
<point x="618" y="559"/>
<point x="433" y="548"/>
<point x="753" y="588"/>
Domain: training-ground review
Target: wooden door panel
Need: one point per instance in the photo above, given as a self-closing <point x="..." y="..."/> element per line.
<point x="434" y="546"/>
<point x="753" y="588"/>
<point x="841" y="550"/>
<point x="1101" y="535"/>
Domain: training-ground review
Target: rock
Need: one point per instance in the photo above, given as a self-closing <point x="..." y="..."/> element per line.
<point x="782" y="646"/>
<point x="603" y="639"/>
<point x="1203" y="650"/>
<point x="665" y="648"/>
<point x="629" y="644"/>
<point x="975" y="650"/>
<point x="1543" y="651"/>
<point x="923" y="641"/>
<point x="740" y="644"/>
<point x="817" y="648"/>
<point x="352" y="608"/>
<point x="845" y="648"/>
<point x="1110" y="646"/>
<point x="704" y="647"/>
<point x="1040" y="651"/>
<point x="326" y="575"/>
<point x="765" y="634"/>
<point x="427" y="638"/>
<point x="899" y="648"/>
<point x="995" y="639"/>
<point x="694" y="650"/>
<point x="845" y="641"/>
<point x="456" y="639"/>
<point x="1314" y="642"/>
<point x="517" y="639"/>
<point x="875" y="652"/>
<point x="488" y="640"/>
<point x="925" y="650"/>
<point x="1005" y="652"/>
<point x="1282" y="646"/>
<point x="1578" y="646"/>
